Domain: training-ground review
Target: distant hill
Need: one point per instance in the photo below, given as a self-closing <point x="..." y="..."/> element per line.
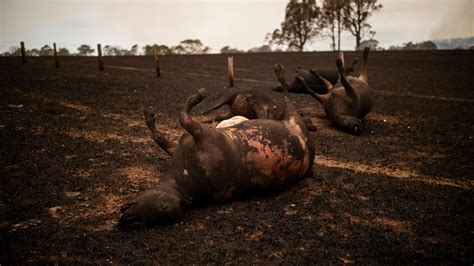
<point x="455" y="43"/>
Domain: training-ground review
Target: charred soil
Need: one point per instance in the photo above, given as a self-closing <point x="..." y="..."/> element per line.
<point x="74" y="147"/>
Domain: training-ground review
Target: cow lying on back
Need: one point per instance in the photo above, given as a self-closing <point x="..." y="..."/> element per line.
<point x="262" y="107"/>
<point x="237" y="101"/>
<point x="348" y="102"/>
<point x="220" y="163"/>
<point x="316" y="79"/>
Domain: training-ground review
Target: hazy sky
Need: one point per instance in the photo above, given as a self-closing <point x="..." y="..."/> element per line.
<point x="217" y="23"/>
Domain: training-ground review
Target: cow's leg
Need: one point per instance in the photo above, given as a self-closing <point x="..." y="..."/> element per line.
<point x="348" y="70"/>
<point x="280" y="73"/>
<point x="309" y="124"/>
<point x="219" y="117"/>
<point x="261" y="113"/>
<point x="223" y="116"/>
<point x="158" y="137"/>
<point x="363" y="69"/>
<point x="196" y="129"/>
<point x="349" y="124"/>
<point x="326" y="82"/>
<point x="322" y="98"/>
<point x="347" y="86"/>
<point x="223" y="101"/>
<point x="291" y="114"/>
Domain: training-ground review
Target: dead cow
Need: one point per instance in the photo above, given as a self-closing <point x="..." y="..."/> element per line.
<point x="220" y="163"/>
<point x="348" y="102"/>
<point x="314" y="79"/>
<point x="237" y="101"/>
<point x="261" y="107"/>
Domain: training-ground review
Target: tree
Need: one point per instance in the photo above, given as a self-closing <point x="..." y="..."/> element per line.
<point x="33" y="52"/>
<point x="194" y="46"/>
<point x="115" y="51"/>
<point x="275" y="39"/>
<point x="133" y="50"/>
<point x="178" y="49"/>
<point x="261" y="49"/>
<point x="302" y="23"/>
<point x="228" y="50"/>
<point x="292" y="49"/>
<point x="163" y="49"/>
<point x="85" y="50"/>
<point x="108" y="50"/>
<point x="356" y="13"/>
<point x="427" y="45"/>
<point x="46" y="51"/>
<point x="63" y="52"/>
<point x="332" y="16"/>
<point x="160" y="49"/>
<point x="13" y="51"/>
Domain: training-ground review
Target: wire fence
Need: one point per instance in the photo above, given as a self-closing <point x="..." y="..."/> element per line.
<point x="22" y="51"/>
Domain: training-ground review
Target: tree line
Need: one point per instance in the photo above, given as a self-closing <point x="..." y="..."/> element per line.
<point x="426" y="45"/>
<point x="188" y="46"/>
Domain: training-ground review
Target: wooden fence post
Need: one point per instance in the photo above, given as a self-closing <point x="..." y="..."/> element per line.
<point x="230" y="63"/>
<point x="101" y="63"/>
<point x="23" y="53"/>
<point x="56" y="55"/>
<point x="157" y="63"/>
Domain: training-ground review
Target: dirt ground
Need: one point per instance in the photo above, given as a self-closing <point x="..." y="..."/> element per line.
<point x="74" y="147"/>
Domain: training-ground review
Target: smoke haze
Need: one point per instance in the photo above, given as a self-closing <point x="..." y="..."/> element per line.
<point x="457" y="22"/>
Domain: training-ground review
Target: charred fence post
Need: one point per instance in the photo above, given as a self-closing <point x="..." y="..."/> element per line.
<point x="157" y="63"/>
<point x="56" y="55"/>
<point x="230" y="65"/>
<point x="101" y="63"/>
<point x="23" y="53"/>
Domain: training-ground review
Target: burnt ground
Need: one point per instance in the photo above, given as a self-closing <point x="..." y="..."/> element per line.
<point x="74" y="147"/>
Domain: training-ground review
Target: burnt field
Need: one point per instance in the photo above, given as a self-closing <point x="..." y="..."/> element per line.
<point x="74" y="147"/>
